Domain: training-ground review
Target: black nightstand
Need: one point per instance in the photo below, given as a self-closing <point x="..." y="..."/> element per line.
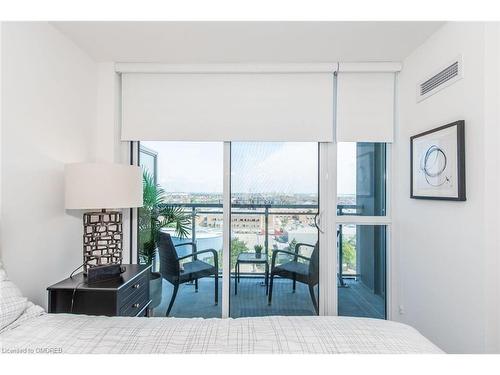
<point x="128" y="296"/>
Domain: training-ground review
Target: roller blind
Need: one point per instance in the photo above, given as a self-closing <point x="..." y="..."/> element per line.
<point x="365" y="107"/>
<point x="228" y="107"/>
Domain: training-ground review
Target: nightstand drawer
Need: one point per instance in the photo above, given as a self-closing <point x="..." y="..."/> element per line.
<point x="133" y="306"/>
<point x="136" y="287"/>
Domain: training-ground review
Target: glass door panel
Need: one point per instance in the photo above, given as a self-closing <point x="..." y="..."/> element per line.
<point x="361" y="179"/>
<point x="188" y="176"/>
<point x="362" y="256"/>
<point x="361" y="249"/>
<point x="274" y="200"/>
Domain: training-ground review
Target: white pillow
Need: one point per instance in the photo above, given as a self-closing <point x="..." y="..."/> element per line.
<point x="3" y="275"/>
<point x="32" y="311"/>
<point x="12" y="302"/>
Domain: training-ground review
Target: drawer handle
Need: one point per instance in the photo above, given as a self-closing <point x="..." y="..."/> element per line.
<point x="136" y="305"/>
<point x="136" y="286"/>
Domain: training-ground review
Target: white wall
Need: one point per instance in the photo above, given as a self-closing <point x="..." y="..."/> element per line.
<point x="444" y="253"/>
<point x="492" y="184"/>
<point x="108" y="146"/>
<point x="49" y="115"/>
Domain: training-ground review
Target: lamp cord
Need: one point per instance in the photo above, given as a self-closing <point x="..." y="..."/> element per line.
<point x="76" y="269"/>
<point x="73" y="296"/>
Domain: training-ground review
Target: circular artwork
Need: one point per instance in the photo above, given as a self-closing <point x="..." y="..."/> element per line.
<point x="433" y="165"/>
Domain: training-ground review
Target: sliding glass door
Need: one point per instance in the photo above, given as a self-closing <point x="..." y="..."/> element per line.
<point x="274" y="239"/>
<point x="183" y="183"/>
<point x="260" y="202"/>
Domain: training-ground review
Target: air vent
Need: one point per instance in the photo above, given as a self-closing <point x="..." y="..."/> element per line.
<point x="443" y="78"/>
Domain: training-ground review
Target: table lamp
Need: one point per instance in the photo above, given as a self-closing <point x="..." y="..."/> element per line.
<point x="105" y="187"/>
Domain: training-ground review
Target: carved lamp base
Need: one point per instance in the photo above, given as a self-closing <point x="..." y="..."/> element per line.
<point x="102" y="238"/>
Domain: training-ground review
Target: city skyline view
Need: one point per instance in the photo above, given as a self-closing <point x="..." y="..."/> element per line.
<point x="270" y="168"/>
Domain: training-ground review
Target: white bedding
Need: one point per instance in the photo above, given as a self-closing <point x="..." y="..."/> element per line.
<point x="277" y="334"/>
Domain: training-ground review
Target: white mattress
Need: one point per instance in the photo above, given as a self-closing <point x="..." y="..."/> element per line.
<point x="277" y="334"/>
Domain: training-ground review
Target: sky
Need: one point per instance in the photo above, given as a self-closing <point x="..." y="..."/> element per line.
<point x="256" y="167"/>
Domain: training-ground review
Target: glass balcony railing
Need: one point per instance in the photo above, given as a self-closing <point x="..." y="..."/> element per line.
<point x="269" y="226"/>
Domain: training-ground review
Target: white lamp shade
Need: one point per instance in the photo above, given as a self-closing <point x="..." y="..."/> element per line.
<point x="102" y="186"/>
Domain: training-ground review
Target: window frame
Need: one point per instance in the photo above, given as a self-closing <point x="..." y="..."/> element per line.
<point x="328" y="295"/>
<point x="154" y="155"/>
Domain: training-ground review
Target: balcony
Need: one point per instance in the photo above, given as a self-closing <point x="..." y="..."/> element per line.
<point x="272" y="226"/>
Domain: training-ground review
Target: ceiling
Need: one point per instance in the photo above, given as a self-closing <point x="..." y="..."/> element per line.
<point x="250" y="42"/>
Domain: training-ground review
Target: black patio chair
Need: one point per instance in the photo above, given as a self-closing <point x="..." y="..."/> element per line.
<point x="303" y="272"/>
<point x="171" y="270"/>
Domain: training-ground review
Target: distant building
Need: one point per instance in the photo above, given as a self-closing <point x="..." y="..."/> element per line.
<point x="307" y="235"/>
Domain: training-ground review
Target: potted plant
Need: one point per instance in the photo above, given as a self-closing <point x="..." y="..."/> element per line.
<point x="258" y="251"/>
<point x="154" y="216"/>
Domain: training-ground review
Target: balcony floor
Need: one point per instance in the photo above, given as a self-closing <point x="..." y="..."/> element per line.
<point x="251" y="300"/>
<point x="358" y="300"/>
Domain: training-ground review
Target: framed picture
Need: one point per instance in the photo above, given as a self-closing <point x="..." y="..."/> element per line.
<point x="438" y="163"/>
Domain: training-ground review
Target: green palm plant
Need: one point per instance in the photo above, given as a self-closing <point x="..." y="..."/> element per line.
<point x="155" y="215"/>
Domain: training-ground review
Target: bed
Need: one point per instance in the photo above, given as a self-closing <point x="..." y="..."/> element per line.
<point x="66" y="333"/>
<point x="26" y="328"/>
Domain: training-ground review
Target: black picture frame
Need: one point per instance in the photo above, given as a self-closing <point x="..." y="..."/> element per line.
<point x="461" y="186"/>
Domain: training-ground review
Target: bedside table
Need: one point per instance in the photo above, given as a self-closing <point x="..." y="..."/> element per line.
<point x="127" y="296"/>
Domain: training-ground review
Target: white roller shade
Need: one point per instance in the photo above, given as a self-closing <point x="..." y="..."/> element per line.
<point x="228" y="107"/>
<point x="365" y="107"/>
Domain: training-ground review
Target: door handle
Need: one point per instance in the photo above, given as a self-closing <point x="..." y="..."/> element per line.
<point x="317" y="222"/>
